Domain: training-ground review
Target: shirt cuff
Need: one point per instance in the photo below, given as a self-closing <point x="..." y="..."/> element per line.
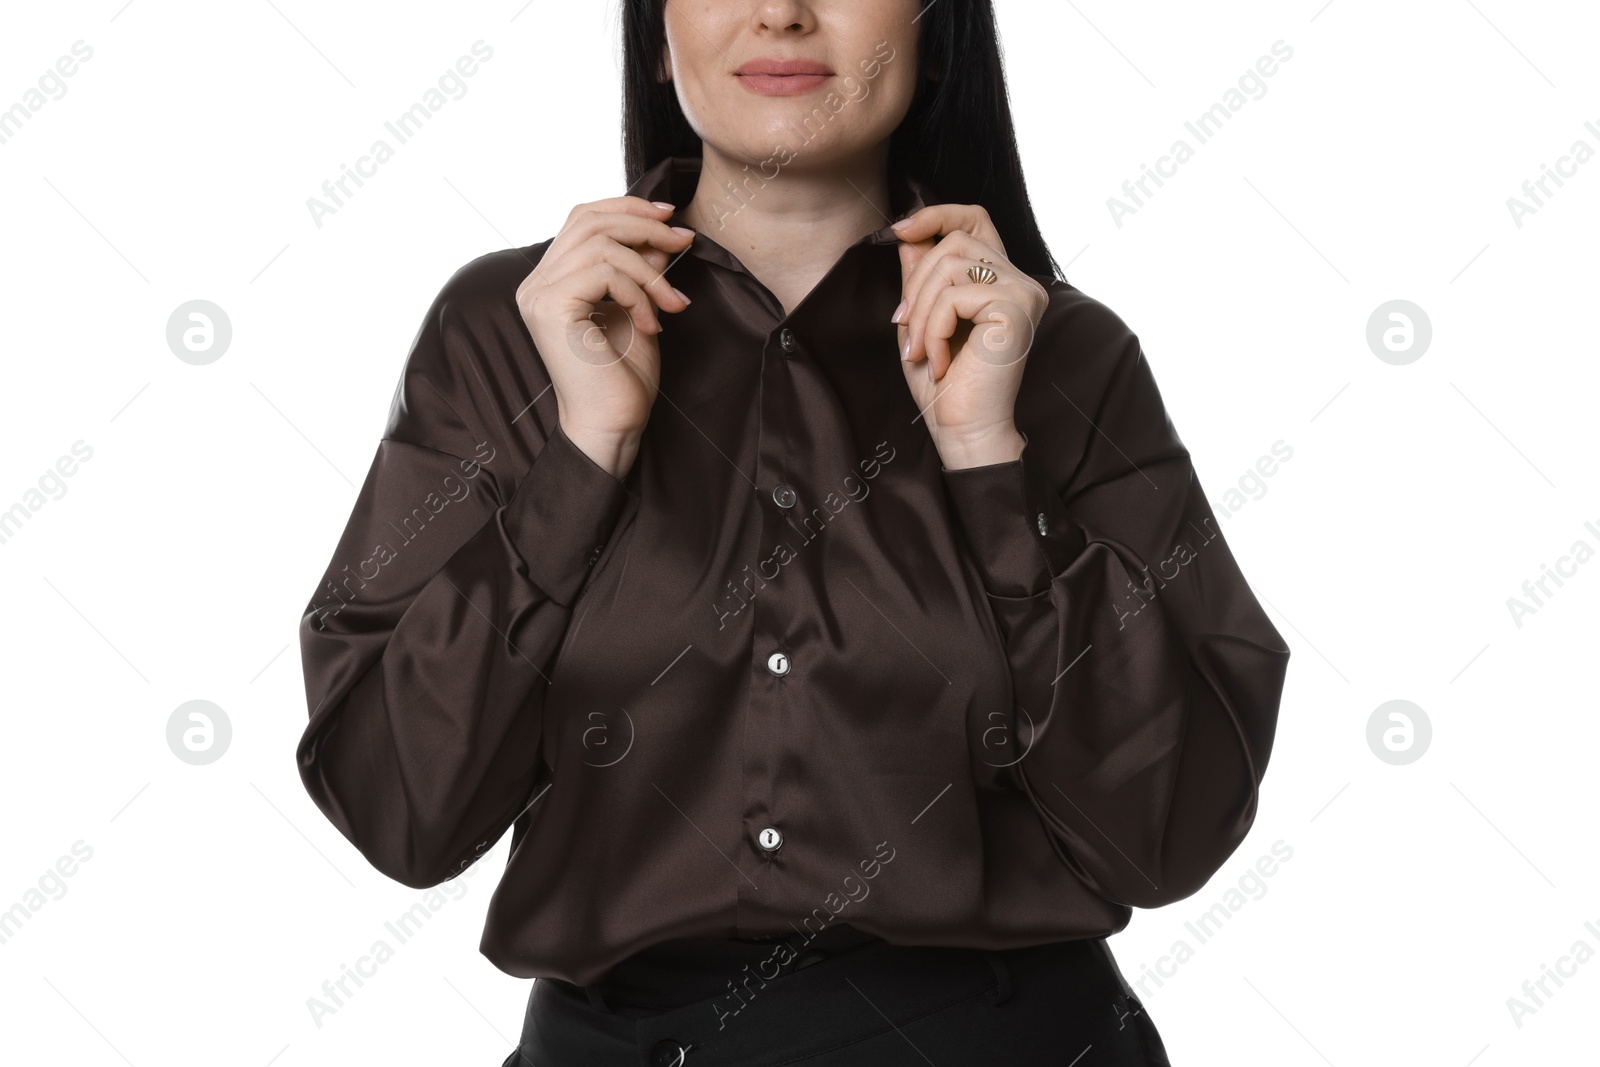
<point x="562" y="515"/>
<point x="1019" y="531"/>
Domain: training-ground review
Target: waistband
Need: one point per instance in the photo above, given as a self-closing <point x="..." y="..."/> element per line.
<point x="755" y="1019"/>
<point x="673" y="973"/>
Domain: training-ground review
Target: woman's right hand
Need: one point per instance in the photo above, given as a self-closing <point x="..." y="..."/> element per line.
<point x="591" y="308"/>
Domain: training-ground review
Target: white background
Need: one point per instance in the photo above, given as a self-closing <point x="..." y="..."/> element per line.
<point x="1419" y="497"/>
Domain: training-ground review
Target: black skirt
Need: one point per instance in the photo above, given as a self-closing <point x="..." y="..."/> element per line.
<point x="846" y="1000"/>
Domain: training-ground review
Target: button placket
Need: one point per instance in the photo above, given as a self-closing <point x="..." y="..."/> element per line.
<point x="767" y="724"/>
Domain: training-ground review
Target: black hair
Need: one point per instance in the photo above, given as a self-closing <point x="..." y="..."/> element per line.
<point x="957" y="135"/>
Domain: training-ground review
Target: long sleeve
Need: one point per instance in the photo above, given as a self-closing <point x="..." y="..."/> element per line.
<point x="429" y="645"/>
<point x="1146" y="677"/>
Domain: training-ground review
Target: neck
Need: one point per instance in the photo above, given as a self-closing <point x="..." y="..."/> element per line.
<point x="790" y="228"/>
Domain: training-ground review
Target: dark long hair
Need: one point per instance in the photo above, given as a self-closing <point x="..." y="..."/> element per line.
<point x="957" y="136"/>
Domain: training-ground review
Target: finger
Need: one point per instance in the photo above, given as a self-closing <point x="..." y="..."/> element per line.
<point x="947" y="309"/>
<point x="915" y="320"/>
<point x="939" y="219"/>
<point x="620" y="227"/>
<point x="627" y="294"/>
<point x="910" y="256"/>
<point x="602" y="280"/>
<point x="619" y="205"/>
<point x="954" y="270"/>
<point x="944" y="317"/>
<point x="1002" y="331"/>
<point x="920" y="303"/>
<point x="922" y="391"/>
<point x="657" y="259"/>
<point x="631" y="263"/>
<point x="927" y="271"/>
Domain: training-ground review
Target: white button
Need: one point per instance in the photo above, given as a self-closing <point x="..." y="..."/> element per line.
<point x="770" y="839"/>
<point x="1044" y="527"/>
<point x="778" y="664"/>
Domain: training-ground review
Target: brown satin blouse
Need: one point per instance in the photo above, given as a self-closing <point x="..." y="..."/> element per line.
<point x="790" y="671"/>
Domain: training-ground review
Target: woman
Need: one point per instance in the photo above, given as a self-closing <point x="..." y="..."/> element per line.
<point x="840" y="705"/>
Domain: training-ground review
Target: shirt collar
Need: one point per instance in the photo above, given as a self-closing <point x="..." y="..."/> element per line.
<point x="673" y="179"/>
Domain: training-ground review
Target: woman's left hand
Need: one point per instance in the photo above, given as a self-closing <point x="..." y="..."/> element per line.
<point x="963" y="342"/>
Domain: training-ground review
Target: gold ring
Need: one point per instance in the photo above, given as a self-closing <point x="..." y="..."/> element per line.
<point x="982" y="275"/>
<point x="981" y="259"/>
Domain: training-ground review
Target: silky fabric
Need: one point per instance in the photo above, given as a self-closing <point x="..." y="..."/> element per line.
<point x="878" y="1005"/>
<point x="789" y="670"/>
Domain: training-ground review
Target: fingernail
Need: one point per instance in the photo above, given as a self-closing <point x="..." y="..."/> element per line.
<point x="899" y="310"/>
<point x="930" y="370"/>
<point x="685" y="299"/>
<point x="898" y="226"/>
<point x="664" y="204"/>
<point x="905" y="348"/>
<point x="683" y="231"/>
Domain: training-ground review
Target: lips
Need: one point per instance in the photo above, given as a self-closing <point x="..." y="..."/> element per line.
<point x="772" y="76"/>
<point x="774" y="67"/>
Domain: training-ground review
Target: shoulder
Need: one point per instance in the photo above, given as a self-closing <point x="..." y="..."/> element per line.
<point x="489" y="282"/>
<point x="471" y="360"/>
<point x="1080" y="348"/>
<point x="1078" y="327"/>
<point x="1087" y="380"/>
